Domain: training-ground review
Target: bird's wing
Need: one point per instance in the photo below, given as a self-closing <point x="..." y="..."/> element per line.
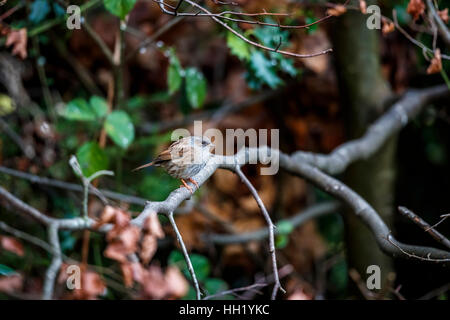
<point x="163" y="157"/>
<point x="160" y="159"/>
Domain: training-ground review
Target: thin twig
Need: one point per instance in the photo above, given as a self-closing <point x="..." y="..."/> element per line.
<point x="424" y="257"/>
<point x="435" y="292"/>
<point x="439" y="237"/>
<point x="410" y="38"/>
<point x="444" y="217"/>
<point x="86" y="181"/>
<point x="186" y="255"/>
<point x="236" y="290"/>
<point x="271" y="227"/>
<point x="441" y="26"/>
<point x="53" y="269"/>
<point x="25" y="236"/>
<point x="101" y="193"/>
<point x="27" y="148"/>
<point x="225" y="16"/>
<point x="253" y="43"/>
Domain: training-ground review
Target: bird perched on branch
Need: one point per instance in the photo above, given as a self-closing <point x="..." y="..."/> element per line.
<point x="184" y="158"/>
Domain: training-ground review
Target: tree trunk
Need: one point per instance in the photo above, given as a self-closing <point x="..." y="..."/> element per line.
<point x="364" y="93"/>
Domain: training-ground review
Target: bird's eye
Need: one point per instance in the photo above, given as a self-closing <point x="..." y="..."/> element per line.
<point x="205" y="143"/>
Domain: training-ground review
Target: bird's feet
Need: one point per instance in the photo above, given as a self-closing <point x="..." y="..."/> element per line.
<point x="194" y="182"/>
<point x="187" y="186"/>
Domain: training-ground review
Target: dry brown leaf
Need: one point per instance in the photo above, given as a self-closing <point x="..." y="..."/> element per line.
<point x="388" y="26"/>
<point x="337" y="10"/>
<point x="153" y="226"/>
<point x="127" y="273"/>
<point x="12" y="244"/>
<point x="436" y="63"/>
<point x="116" y="251"/>
<point x="138" y="272"/>
<point x="154" y="284"/>
<point x="107" y="216"/>
<point x="121" y="220"/>
<point x="416" y="8"/>
<point x="444" y="15"/>
<point x="176" y="282"/>
<point x="149" y="246"/>
<point x="91" y="286"/>
<point x="18" y="39"/>
<point x="129" y="237"/>
<point x="11" y="283"/>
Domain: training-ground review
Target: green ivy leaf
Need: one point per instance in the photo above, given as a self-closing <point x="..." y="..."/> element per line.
<point x="92" y="158"/>
<point x="195" y="88"/>
<point x="238" y="47"/>
<point x="287" y="65"/>
<point x="311" y="18"/>
<point x="174" y="73"/>
<point x="119" y="8"/>
<point x="99" y="105"/>
<point x="39" y="11"/>
<point x="79" y="109"/>
<point x="120" y="129"/>
<point x="6" y="271"/>
<point x="263" y="68"/>
<point x="199" y="262"/>
<point x="281" y="241"/>
<point x="214" y="285"/>
<point x="58" y="10"/>
<point x="285" y="227"/>
<point x="270" y="36"/>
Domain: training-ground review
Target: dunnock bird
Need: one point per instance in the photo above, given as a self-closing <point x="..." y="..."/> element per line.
<point x="184" y="158"/>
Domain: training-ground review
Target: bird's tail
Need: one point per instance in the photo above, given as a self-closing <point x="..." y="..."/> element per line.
<point x="144" y="166"/>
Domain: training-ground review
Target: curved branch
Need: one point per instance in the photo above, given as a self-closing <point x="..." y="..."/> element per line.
<point x="377" y="134"/>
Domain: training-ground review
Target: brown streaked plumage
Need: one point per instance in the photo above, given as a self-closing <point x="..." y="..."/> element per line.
<point x="184" y="158"/>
